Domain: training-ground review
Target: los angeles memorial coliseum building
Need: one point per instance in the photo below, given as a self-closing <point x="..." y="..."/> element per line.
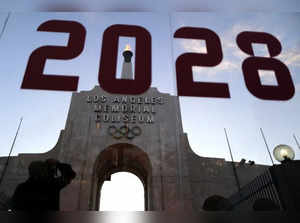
<point x="107" y="133"/>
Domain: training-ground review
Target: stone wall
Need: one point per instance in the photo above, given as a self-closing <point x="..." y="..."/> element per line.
<point x="175" y="177"/>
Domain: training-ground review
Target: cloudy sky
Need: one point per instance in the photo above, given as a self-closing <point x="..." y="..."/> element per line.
<point x="204" y="119"/>
<point x="154" y="5"/>
<point x="243" y="114"/>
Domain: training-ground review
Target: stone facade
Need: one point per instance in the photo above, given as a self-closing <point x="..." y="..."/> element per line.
<point x="141" y="134"/>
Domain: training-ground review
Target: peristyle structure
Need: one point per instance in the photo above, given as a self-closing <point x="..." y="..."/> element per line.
<point x="142" y="134"/>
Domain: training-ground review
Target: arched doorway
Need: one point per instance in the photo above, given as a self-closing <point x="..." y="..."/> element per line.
<point x="124" y="192"/>
<point x="117" y="158"/>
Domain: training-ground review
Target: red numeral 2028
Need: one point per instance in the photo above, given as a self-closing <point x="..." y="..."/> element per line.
<point x="34" y="77"/>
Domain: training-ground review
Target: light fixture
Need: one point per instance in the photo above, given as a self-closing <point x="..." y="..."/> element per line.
<point x="283" y="153"/>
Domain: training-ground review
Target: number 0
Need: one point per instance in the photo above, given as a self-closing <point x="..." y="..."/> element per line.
<point x="107" y="71"/>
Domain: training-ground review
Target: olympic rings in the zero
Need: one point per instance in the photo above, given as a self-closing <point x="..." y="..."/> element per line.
<point x="124" y="131"/>
<point x="114" y="132"/>
<point x="136" y="130"/>
<point x="111" y="130"/>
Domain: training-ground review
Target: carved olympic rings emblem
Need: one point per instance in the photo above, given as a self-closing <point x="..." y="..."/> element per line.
<point x="124" y="131"/>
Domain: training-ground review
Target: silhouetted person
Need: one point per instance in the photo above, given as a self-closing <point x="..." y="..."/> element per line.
<point x="41" y="191"/>
<point x="216" y="203"/>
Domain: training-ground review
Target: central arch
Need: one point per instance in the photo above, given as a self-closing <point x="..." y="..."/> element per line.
<point x="117" y="158"/>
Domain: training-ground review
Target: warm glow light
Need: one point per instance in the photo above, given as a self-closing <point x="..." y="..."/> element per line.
<point x="283" y="152"/>
<point x="127" y="47"/>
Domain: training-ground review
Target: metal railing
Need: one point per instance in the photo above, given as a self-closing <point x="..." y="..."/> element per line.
<point x="261" y="187"/>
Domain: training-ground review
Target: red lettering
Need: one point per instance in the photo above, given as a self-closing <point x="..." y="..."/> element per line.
<point x="107" y="71"/>
<point x="34" y="77"/>
<point x="185" y="84"/>
<point x="285" y="89"/>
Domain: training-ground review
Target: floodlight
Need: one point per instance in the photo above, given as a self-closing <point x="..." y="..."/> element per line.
<point x="283" y="153"/>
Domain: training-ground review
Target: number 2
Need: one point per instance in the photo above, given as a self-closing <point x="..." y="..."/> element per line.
<point x="34" y="77"/>
<point x="185" y="84"/>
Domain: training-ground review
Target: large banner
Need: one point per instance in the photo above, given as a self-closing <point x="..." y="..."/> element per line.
<point x="238" y="71"/>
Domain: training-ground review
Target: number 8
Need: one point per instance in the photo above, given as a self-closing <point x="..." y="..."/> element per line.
<point x="285" y="89"/>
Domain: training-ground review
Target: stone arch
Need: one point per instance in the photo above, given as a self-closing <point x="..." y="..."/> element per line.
<point x="116" y="158"/>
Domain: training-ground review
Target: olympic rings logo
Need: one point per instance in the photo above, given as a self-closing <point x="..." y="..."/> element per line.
<point x="124" y="131"/>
